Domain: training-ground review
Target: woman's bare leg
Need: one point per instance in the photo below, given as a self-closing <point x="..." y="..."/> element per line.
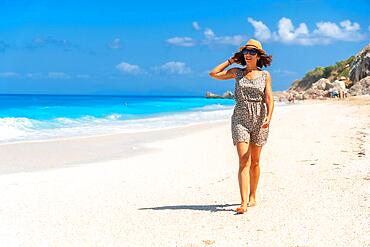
<point x="243" y="173"/>
<point x="254" y="172"/>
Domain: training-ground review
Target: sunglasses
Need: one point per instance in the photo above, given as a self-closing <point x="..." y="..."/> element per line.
<point x="252" y="51"/>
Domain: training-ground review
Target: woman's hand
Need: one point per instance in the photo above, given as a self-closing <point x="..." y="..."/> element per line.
<point x="236" y="58"/>
<point x="266" y="122"/>
<point x="219" y="72"/>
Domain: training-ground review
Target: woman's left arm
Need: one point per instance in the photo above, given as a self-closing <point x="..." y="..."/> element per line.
<point x="269" y="101"/>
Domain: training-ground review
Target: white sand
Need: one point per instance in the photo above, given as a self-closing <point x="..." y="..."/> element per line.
<point x="179" y="187"/>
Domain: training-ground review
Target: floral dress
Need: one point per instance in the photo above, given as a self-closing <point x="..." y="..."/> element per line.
<point x="250" y="109"/>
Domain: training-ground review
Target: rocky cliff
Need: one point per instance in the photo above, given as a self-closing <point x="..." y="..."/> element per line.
<point x="350" y="73"/>
<point x="226" y="95"/>
<point x="360" y="67"/>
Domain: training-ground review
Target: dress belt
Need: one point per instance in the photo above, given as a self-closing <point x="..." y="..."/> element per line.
<point x="255" y="100"/>
<point x="245" y="104"/>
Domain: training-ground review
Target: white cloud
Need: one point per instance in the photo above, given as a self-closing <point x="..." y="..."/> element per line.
<point x="262" y="32"/>
<point x="181" y="41"/>
<point x="196" y="26"/>
<point x="230" y="40"/>
<point x="58" y="75"/>
<point x="115" y="44"/>
<point x="346" y="30"/>
<point x="55" y="75"/>
<point x="348" y="26"/>
<point x="328" y="29"/>
<point x="42" y="42"/>
<point x="209" y="38"/>
<point x="127" y="68"/>
<point x="173" y="67"/>
<point x="9" y="75"/>
<point x="209" y="34"/>
<point x="39" y="41"/>
<point x="39" y="75"/>
<point x="325" y="32"/>
<point x="287" y="33"/>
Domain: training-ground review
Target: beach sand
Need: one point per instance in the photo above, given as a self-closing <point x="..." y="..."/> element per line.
<point x="179" y="187"/>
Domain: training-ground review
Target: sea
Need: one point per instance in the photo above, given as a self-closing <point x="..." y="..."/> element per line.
<point x="45" y="117"/>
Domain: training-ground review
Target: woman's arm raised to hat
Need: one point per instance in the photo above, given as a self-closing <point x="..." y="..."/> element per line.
<point x="219" y="72"/>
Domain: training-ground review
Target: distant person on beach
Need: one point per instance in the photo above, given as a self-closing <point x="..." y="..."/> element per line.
<point x="291" y="98"/>
<point x="342" y="91"/>
<point x="252" y="113"/>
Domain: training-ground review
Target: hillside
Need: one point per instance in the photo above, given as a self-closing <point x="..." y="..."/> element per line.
<point x="335" y="72"/>
<point x="352" y="73"/>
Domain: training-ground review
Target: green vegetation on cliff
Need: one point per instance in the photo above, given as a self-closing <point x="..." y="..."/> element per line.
<point x="332" y="73"/>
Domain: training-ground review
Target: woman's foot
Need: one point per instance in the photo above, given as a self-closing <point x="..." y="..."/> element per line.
<point x="242" y="209"/>
<point x="252" y="201"/>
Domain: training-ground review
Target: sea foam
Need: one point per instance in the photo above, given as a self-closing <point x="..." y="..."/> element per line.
<point x="17" y="129"/>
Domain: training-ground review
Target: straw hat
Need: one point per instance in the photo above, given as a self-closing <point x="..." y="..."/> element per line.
<point x="255" y="43"/>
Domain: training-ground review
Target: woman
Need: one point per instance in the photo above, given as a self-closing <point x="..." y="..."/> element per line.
<point x="250" y="120"/>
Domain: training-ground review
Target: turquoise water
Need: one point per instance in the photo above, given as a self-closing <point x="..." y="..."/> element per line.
<point x="38" y="117"/>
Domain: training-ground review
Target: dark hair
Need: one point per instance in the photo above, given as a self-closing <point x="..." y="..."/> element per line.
<point x="264" y="60"/>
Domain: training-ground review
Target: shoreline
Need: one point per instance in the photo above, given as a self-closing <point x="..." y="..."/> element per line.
<point x="128" y="131"/>
<point x="84" y="136"/>
<point x="112" y="146"/>
<point x="129" y="126"/>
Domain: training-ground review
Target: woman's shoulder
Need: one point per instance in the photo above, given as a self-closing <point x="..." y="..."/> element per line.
<point x="262" y="72"/>
<point x="265" y="72"/>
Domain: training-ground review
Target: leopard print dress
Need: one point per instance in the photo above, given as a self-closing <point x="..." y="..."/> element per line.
<point x="250" y="110"/>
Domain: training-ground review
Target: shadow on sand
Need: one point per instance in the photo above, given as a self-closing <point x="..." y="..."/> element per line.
<point x="211" y="208"/>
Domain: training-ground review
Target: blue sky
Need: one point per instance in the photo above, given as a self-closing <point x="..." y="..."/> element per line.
<point x="167" y="47"/>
